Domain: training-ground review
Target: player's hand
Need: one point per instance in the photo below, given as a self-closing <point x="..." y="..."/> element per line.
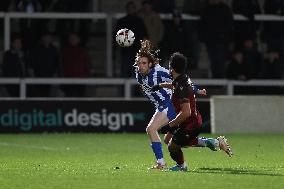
<point x="202" y="92"/>
<point x="155" y="88"/>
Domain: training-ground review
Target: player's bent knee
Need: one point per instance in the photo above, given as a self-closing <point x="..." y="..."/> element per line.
<point x="167" y="138"/>
<point x="150" y="129"/>
<point x="166" y="141"/>
<point x="171" y="147"/>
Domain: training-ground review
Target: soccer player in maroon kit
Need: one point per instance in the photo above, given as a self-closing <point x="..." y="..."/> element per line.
<point x="188" y="121"/>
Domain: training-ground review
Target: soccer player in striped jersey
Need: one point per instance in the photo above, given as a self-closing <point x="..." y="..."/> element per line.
<point x="149" y="73"/>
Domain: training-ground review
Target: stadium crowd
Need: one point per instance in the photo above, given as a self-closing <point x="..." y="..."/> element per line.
<point x="239" y="50"/>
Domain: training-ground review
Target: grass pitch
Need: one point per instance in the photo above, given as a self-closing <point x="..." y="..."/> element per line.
<point x="44" y="161"/>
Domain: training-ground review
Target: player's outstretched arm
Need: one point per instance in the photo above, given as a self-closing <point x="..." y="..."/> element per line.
<point x="166" y="85"/>
<point x="162" y="85"/>
<point x="202" y="92"/>
<point x="198" y="91"/>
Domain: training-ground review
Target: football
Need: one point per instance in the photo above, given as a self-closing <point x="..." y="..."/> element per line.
<point x="125" y="37"/>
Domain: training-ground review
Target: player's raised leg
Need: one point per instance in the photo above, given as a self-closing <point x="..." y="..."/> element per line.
<point x="220" y="143"/>
<point x="224" y="145"/>
<point x="168" y="137"/>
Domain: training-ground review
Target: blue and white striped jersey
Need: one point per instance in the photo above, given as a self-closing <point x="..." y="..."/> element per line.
<point x="157" y="75"/>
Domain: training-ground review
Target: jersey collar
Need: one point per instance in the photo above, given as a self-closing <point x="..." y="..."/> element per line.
<point x="180" y="77"/>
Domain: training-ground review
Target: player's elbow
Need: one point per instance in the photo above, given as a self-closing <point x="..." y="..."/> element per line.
<point x="186" y="110"/>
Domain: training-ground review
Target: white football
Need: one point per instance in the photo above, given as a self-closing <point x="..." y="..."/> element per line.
<point x="125" y="37"/>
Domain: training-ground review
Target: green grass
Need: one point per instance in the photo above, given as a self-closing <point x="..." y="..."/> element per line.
<point x="89" y="161"/>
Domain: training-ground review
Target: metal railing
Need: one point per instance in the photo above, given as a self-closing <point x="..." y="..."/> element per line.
<point x="129" y="83"/>
<point x="109" y="25"/>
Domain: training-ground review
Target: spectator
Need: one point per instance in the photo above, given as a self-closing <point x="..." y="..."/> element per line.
<point x="193" y="7"/>
<point x="45" y="62"/>
<point x="14" y="64"/>
<point x="176" y="36"/>
<point x="237" y="68"/>
<point x="271" y="68"/>
<point x="243" y="29"/>
<point x="273" y="31"/>
<point x="136" y="24"/>
<point x="45" y="57"/>
<point x="153" y="23"/>
<point x="30" y="29"/>
<point x="253" y="58"/>
<point x="80" y="26"/>
<point x="216" y="29"/>
<point x="75" y="64"/>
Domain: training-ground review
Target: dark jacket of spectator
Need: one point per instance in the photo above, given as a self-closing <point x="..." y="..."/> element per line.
<point x="271" y="68"/>
<point x="253" y="59"/>
<point x="176" y="36"/>
<point x="133" y="22"/>
<point x="153" y="23"/>
<point x="45" y="61"/>
<point x="14" y="64"/>
<point x="75" y="62"/>
<point x="237" y="69"/>
<point x="245" y="29"/>
<point x="217" y="23"/>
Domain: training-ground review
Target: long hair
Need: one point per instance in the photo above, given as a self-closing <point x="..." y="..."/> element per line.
<point x="147" y="51"/>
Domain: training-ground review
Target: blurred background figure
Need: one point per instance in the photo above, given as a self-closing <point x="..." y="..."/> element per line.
<point x="273" y="31"/>
<point x="216" y="30"/>
<point x="30" y="29"/>
<point x="271" y="68"/>
<point x="153" y="23"/>
<point x="14" y="64"/>
<point x="44" y="62"/>
<point x="193" y="7"/>
<point x="134" y="23"/>
<point x="253" y="58"/>
<point x="176" y="38"/>
<point x="75" y="63"/>
<point x="80" y="26"/>
<point x="45" y="57"/>
<point x="237" y="68"/>
<point x="245" y="30"/>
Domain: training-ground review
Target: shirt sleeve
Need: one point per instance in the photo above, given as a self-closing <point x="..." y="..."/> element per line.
<point x="182" y="91"/>
<point x="164" y="75"/>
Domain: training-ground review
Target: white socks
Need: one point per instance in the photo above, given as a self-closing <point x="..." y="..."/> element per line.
<point x="161" y="161"/>
<point x="202" y="142"/>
